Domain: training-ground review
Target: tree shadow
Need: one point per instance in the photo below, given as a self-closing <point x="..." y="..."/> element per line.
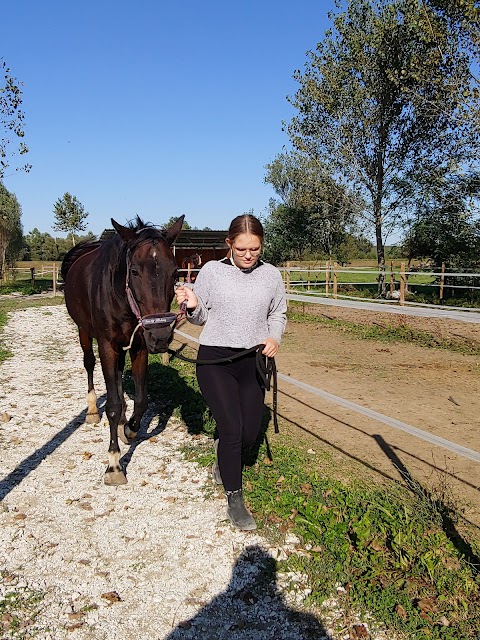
<point x="252" y="606"/>
<point x="445" y="512"/>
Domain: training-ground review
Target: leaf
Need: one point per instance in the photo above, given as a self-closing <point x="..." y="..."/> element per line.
<point x="400" y="611"/>
<point x="111" y="596"/>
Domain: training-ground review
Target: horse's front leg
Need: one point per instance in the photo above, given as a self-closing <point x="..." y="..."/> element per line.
<point x="109" y="357"/>
<point x="139" y="359"/>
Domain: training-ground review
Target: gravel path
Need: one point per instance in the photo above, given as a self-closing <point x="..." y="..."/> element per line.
<point x="153" y="559"/>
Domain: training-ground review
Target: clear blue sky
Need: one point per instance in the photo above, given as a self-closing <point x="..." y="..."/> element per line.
<point x="154" y="108"/>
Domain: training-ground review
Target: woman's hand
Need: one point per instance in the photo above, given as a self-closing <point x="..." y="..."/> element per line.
<point x="271" y="347"/>
<point x="183" y="294"/>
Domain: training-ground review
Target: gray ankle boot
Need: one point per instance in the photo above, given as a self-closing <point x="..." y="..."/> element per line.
<point x="237" y="511"/>
<point x="217" y="478"/>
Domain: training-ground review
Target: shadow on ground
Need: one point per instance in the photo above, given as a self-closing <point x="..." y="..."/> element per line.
<point x="251" y="608"/>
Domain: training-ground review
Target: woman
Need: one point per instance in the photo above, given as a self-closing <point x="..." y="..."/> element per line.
<point x="241" y="302"/>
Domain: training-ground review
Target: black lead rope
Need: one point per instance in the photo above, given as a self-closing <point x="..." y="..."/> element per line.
<point x="266" y="369"/>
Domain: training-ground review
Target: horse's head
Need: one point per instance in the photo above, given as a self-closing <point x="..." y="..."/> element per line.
<point x="151" y="275"/>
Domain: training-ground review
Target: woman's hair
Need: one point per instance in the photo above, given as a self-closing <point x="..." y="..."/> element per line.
<point x="246" y="223"/>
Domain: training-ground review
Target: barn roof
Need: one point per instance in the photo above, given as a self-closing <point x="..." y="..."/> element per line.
<point x="190" y="238"/>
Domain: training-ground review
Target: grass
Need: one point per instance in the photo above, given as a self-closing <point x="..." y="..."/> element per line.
<point x="18" y="611"/>
<point x="397" y="553"/>
<point x="387" y="333"/>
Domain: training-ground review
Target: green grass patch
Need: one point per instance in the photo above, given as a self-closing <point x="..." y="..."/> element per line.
<point x="398" y="554"/>
<point x="25" y="287"/>
<point x="387" y="333"/>
<point x="18" y="611"/>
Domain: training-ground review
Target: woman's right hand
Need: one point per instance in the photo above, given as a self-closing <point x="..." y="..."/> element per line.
<point x="183" y="294"/>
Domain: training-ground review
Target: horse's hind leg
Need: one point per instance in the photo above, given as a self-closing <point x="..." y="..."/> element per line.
<point x="86" y="343"/>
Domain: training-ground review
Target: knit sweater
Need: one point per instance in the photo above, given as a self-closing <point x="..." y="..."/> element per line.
<point x="239" y="309"/>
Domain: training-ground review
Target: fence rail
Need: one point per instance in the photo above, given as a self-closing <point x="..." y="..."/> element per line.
<point x="401" y="285"/>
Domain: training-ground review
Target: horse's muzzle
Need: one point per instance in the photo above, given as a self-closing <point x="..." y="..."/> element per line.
<point x="158" y="331"/>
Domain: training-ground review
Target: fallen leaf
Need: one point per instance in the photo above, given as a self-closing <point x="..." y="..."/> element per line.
<point x="454" y="401"/>
<point x="267" y="461"/>
<point x="5" y="417"/>
<point x="87" y="455"/>
<point x="400" y="611"/>
<point x="185" y="624"/>
<point x="358" y="631"/>
<point x="111" y="596"/>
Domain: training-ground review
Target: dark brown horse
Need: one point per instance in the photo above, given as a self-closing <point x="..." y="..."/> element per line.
<point x="119" y="292"/>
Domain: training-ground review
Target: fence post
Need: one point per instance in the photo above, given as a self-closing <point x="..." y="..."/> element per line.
<point x="32" y="275"/>
<point x="327" y="277"/>
<point x="402" y="283"/>
<point x="442" y="281"/>
<point x="335" y="281"/>
<point x="392" y="278"/>
<point x="287" y="280"/>
<point x="308" y="279"/>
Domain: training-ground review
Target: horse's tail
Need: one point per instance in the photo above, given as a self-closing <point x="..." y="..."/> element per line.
<point x="80" y="249"/>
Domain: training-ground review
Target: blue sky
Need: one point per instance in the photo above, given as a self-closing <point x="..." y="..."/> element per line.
<point x="154" y="108"/>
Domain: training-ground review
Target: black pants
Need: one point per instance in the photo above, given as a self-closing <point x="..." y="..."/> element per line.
<point x="235" y="397"/>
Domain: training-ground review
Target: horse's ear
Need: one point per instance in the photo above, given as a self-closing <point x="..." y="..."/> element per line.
<point x="174" y="230"/>
<point x="125" y="233"/>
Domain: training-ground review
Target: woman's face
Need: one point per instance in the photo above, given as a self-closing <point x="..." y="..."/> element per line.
<point x="246" y="250"/>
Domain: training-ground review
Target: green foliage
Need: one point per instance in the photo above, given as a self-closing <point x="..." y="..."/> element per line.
<point x="11" y="119"/>
<point x="43" y="247"/>
<point x="373" y="99"/>
<point x="11" y="240"/>
<point x="70" y="215"/>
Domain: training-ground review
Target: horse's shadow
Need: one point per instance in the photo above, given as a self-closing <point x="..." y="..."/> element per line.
<point x="251" y="606"/>
<point x="167" y="391"/>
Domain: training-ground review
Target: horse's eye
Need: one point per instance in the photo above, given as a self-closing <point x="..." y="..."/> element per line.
<point x="134" y="272"/>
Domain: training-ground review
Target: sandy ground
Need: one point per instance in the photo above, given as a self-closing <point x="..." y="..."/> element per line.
<point x="155" y="558"/>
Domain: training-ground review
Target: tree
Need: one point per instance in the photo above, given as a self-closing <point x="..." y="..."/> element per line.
<point x="11" y="119"/>
<point x="377" y="106"/>
<point x="11" y="231"/>
<point x="319" y="210"/>
<point x="447" y="230"/>
<point x="69" y="215"/>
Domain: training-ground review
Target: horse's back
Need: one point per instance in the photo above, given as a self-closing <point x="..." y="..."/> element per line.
<point x="78" y="273"/>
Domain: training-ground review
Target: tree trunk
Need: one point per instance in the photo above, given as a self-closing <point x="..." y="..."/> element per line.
<point x="380" y="255"/>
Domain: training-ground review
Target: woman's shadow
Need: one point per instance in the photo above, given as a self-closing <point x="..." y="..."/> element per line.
<point x="251" y="607"/>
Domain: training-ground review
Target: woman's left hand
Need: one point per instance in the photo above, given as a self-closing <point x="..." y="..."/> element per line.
<point x="271" y="347"/>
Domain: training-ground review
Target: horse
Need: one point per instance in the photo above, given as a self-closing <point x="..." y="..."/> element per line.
<point x="119" y="291"/>
<point x="192" y="262"/>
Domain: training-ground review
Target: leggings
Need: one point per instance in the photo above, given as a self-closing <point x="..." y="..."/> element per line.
<point x="235" y="398"/>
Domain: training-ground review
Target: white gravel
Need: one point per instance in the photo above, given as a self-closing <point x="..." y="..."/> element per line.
<point x="153" y="559"/>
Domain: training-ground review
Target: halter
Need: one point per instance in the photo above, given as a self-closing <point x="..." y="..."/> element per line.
<point x="149" y="321"/>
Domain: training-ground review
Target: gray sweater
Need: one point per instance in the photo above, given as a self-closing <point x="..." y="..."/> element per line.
<point x="239" y="309"/>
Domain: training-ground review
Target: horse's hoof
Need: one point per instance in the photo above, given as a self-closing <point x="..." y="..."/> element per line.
<point x="115" y="478"/>
<point x="125" y="434"/>
<point x="92" y="418"/>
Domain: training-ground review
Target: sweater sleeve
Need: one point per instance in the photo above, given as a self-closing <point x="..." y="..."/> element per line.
<point x="199" y="315"/>
<point x="277" y="315"/>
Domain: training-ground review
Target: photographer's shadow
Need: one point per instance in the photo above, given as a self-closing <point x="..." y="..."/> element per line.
<point x="252" y="606"/>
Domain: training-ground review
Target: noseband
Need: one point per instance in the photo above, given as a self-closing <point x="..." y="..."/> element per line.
<point x="150" y="321"/>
